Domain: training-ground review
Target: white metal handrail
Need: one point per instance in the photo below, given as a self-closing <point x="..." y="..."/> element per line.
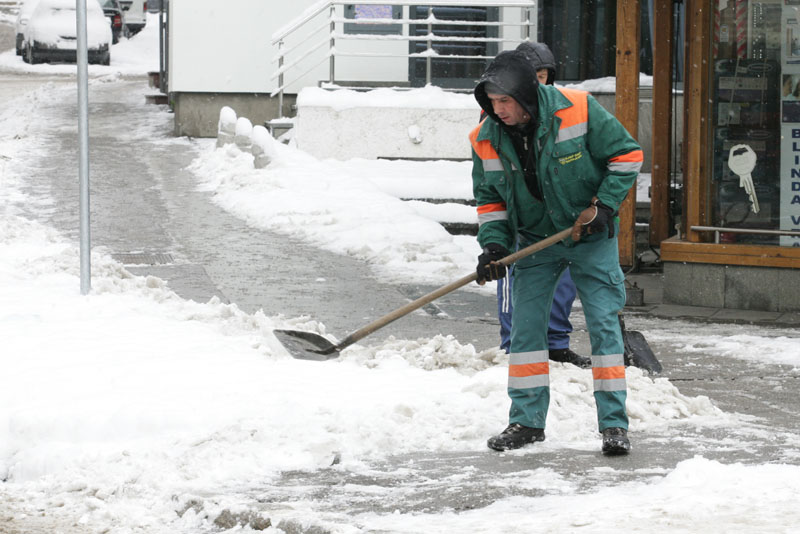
<point x="332" y="36"/>
<point x="755" y="231"/>
<point x="420" y="38"/>
<point x="315" y="10"/>
<point x="431" y="19"/>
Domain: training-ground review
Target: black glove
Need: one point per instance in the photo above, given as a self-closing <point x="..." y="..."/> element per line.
<point x="605" y="217"/>
<point x="488" y="268"/>
<point x="594" y="219"/>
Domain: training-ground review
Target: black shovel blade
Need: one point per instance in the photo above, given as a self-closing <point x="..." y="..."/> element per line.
<point x="307" y="345"/>
<point x="638" y="352"/>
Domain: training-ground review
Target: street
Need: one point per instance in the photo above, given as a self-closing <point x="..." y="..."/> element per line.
<point x="147" y="212"/>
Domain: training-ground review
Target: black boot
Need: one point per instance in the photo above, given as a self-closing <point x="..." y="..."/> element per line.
<point x="567" y="356"/>
<point x="615" y="441"/>
<point x="514" y="437"/>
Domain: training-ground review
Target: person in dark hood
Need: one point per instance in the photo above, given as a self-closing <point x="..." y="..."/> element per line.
<point x="559" y="327"/>
<point x="542" y="59"/>
<point x="546" y="159"/>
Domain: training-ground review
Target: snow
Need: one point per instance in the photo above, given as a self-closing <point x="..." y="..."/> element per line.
<point x="52" y="20"/>
<point x="135" y="56"/>
<point x="120" y="411"/>
<point x="607" y="84"/>
<point x="427" y="97"/>
<point x="227" y="119"/>
<point x="244" y="127"/>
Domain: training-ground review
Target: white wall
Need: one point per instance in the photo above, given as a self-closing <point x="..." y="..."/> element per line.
<point x="419" y="123"/>
<point x="225" y="47"/>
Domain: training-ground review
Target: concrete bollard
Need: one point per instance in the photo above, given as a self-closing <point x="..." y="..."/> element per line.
<point x="263" y="147"/>
<point x="226" y="127"/>
<point x="244" y="131"/>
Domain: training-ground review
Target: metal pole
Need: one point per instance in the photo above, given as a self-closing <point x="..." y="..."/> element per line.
<point x="165" y="32"/>
<point x="528" y="24"/>
<point x="161" y="54"/>
<point x="332" y="64"/>
<point x="280" y="78"/>
<point x="83" y="147"/>
<point x="429" y="51"/>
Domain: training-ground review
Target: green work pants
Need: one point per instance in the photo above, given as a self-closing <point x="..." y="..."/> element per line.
<point x="594" y="266"/>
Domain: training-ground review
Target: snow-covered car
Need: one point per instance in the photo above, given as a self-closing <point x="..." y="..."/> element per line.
<point x="52" y="33"/>
<point x="26" y="7"/>
<point x="134" y="15"/>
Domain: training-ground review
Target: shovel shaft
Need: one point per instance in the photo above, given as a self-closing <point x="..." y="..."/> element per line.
<point x="444" y="290"/>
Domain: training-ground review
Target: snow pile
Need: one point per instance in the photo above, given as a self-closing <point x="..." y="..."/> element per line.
<point x="342" y="207"/>
<point x="772" y="346"/>
<point x="130" y="397"/>
<point x="698" y="496"/>
<point x="607" y="84"/>
<point x="429" y="97"/>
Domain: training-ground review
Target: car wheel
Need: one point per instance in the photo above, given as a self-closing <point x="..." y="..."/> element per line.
<point x="32" y="59"/>
<point x="106" y="59"/>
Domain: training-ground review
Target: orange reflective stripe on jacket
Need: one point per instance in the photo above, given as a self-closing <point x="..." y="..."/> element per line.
<point x="574" y="119"/>
<point x="629" y="162"/>
<point x="485" y="151"/>
<point x="494" y="211"/>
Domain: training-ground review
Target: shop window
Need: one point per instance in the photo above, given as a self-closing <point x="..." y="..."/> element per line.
<point x="367" y="12"/>
<point x="755" y="178"/>
<point x="459" y="72"/>
<point x="582" y="35"/>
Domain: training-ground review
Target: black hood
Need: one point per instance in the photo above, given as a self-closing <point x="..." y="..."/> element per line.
<point x="541" y="57"/>
<point x="512" y="72"/>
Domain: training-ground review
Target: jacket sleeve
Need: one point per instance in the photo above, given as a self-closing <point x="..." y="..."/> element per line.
<point x="611" y="145"/>
<point x="493" y="224"/>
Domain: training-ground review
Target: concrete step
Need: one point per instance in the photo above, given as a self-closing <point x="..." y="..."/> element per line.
<point x="278" y="127"/>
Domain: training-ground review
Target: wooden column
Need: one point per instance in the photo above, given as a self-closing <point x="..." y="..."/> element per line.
<point x="696" y="98"/>
<point x="627" y="111"/>
<point x="661" y="143"/>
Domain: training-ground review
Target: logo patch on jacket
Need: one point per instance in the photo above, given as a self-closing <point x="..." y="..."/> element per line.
<point x="569" y="159"/>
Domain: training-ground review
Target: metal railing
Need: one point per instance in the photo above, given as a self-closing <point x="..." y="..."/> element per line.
<point x="313" y="50"/>
<point x="755" y="231"/>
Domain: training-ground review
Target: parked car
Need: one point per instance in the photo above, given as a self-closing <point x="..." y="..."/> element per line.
<point x="26" y="7"/>
<point x="113" y="11"/>
<point x="52" y="33"/>
<point x="134" y="15"/>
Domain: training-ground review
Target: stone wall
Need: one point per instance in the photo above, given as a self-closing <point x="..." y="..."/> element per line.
<point x="732" y="286"/>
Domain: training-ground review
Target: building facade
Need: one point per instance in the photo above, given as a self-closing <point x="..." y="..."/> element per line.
<point x="738" y="244"/>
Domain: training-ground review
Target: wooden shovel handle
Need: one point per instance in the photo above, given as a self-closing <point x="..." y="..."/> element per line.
<point x="444" y="290"/>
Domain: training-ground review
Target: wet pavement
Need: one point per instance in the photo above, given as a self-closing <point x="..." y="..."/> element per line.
<point x="145" y="207"/>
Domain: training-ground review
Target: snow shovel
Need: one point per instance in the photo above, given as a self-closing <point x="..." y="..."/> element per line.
<point x="637" y="350"/>
<point x="311" y="346"/>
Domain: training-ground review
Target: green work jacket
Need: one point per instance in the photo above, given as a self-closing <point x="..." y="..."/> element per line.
<point x="582" y="151"/>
